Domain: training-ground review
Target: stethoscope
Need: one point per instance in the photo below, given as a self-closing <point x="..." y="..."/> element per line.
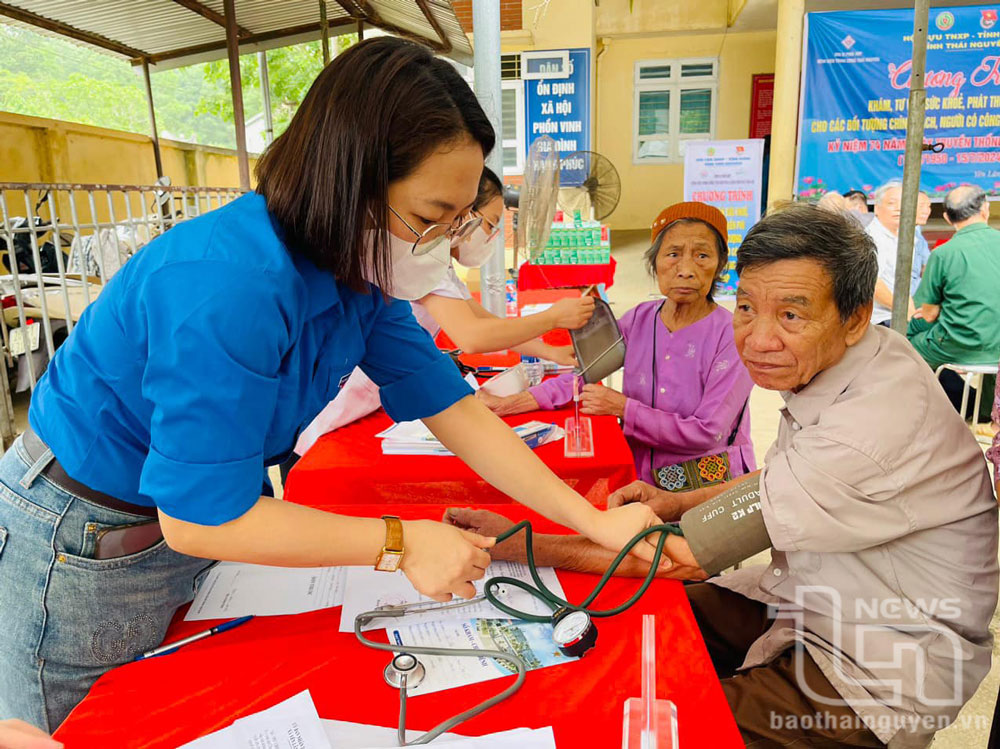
<point x="573" y="629"/>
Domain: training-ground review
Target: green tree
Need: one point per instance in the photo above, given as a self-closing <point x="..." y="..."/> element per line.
<point x="291" y="71"/>
<point x="53" y="77"/>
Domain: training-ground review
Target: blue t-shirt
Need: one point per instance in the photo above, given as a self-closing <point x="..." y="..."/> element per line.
<point x="207" y="353"/>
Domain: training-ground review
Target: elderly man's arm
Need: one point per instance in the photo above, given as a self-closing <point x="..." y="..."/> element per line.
<point x="574" y="553"/>
<point x="669" y="506"/>
<point x="884" y="297"/>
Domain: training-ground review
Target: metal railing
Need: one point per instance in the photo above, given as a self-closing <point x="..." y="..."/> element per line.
<point x="61" y="244"/>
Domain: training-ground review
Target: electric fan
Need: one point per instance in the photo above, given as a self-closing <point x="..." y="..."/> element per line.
<point x="590" y="184"/>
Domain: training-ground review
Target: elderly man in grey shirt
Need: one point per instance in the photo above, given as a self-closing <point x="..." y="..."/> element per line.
<point x="870" y="627"/>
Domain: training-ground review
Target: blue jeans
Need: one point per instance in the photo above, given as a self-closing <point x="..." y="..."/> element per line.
<point x="66" y="617"/>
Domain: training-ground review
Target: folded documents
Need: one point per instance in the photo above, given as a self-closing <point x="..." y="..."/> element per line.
<point x="413" y="438"/>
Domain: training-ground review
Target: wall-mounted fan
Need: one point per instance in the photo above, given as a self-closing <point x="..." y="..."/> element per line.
<point x="590" y="185"/>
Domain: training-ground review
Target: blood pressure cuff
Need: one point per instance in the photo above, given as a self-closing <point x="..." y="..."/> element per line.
<point x="727" y="528"/>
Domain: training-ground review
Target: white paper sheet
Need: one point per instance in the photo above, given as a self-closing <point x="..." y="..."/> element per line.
<point x="345" y="735"/>
<point x="292" y="724"/>
<point x="231" y="589"/>
<point x="366" y="589"/>
<point x="530" y="640"/>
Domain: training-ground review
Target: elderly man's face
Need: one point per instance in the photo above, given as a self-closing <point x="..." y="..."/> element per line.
<point x="787" y="325"/>
<point x="923" y="209"/>
<point x="887" y="209"/>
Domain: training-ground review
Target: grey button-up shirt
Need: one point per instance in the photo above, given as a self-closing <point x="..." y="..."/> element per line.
<point x="879" y="505"/>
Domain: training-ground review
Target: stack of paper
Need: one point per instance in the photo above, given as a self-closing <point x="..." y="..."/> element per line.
<point x="292" y="724"/>
<point x="344" y="735"/>
<point x="232" y="589"/>
<point x="295" y="724"/>
<point x="413" y="438"/>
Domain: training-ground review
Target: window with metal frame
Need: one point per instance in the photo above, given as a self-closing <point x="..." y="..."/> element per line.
<point x="675" y="102"/>
<point x="513" y="126"/>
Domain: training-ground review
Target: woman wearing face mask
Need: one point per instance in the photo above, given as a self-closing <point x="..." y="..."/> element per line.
<point x="473" y="329"/>
<point x="684" y="401"/>
<point x="450" y="306"/>
<point x="208" y="351"/>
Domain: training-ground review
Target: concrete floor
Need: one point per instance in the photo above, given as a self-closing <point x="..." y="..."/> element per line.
<point x="633" y="285"/>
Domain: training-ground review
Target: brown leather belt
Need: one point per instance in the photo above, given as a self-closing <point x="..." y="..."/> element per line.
<point x="54" y="472"/>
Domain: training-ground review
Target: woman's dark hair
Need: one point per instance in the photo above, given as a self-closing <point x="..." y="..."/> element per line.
<point x="833" y="239"/>
<point x="369" y="119"/>
<point x="490" y="187"/>
<point x="721" y="247"/>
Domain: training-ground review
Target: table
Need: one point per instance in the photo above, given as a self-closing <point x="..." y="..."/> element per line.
<point x="349" y="463"/>
<point x="531" y="276"/>
<point x="168" y="701"/>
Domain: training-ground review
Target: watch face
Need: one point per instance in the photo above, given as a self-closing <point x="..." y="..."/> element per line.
<point x="388" y="562"/>
<point x="571" y="627"/>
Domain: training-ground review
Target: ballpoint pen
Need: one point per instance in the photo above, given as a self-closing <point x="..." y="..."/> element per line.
<point x="173" y="646"/>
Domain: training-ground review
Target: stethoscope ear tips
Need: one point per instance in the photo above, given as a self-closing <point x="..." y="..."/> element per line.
<point x="404" y="667"/>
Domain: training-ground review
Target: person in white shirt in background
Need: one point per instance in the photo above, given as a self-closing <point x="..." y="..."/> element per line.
<point x="884" y="230"/>
<point x="470" y="326"/>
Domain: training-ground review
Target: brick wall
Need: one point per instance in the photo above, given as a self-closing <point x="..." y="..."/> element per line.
<point x="510" y="14"/>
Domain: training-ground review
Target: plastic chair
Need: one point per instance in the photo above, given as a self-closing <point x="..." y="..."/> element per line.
<point x="972" y="376"/>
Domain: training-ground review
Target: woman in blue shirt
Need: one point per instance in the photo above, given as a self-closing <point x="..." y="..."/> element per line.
<point x="209" y="351"/>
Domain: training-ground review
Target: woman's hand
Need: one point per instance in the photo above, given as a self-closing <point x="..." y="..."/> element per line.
<point x="615" y="528"/>
<point x="16" y="734"/>
<point x="564" y="356"/>
<point x="483" y="522"/>
<point x="667" y="506"/>
<point x="598" y="400"/>
<point x="682" y="565"/>
<point x="442" y="561"/>
<point x="571" y="313"/>
<point x="508" y="405"/>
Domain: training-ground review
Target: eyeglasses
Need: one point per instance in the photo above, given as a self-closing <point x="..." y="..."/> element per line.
<point x="491" y="229"/>
<point x="434" y="235"/>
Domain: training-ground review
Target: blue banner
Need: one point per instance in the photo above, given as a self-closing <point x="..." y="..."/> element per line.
<point x="855" y="100"/>
<point x="560" y="108"/>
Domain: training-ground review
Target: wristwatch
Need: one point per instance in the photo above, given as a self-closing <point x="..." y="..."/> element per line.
<point x="391" y="555"/>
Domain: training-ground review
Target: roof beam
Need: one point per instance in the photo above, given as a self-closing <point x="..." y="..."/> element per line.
<point x="205" y="12"/>
<point x="24" y="16"/>
<point x="310" y="28"/>
<point x="432" y="20"/>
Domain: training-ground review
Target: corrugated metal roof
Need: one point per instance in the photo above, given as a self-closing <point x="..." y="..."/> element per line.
<point x="171" y="34"/>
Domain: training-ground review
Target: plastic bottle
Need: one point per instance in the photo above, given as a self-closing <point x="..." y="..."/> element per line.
<point x="534" y="368"/>
<point x="511" y="293"/>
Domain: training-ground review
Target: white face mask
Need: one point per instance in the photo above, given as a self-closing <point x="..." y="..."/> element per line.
<point x="411" y="276"/>
<point x="475" y="249"/>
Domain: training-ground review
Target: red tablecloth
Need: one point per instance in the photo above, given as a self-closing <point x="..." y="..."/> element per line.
<point x="171" y="700"/>
<point x="349" y="463"/>
<point x="564" y="276"/>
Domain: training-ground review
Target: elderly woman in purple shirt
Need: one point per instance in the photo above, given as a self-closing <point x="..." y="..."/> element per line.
<point x="684" y="404"/>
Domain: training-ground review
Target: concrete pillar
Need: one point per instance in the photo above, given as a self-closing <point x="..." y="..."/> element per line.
<point x="785" y="119"/>
<point x="486" y="47"/>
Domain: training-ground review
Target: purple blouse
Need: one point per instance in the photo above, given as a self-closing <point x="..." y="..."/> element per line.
<point x="684" y="404"/>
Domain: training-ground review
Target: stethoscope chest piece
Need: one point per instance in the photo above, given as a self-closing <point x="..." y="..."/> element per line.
<point x="404" y="666"/>
<point x="574" y="632"/>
